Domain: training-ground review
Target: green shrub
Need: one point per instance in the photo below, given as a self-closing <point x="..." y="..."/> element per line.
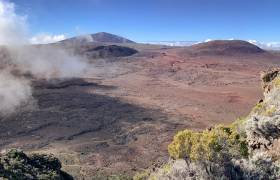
<point x="258" y="107"/>
<point x="215" y="144"/>
<point x="141" y="175"/>
<point x="276" y="82"/>
<point x="264" y="109"/>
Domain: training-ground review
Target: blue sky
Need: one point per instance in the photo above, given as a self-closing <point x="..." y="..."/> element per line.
<point x="156" y="20"/>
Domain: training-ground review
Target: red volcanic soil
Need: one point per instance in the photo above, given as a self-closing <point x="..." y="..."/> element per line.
<point x="121" y="118"/>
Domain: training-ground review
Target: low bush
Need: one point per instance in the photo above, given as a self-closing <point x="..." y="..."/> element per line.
<point x="141" y="175"/>
<point x="215" y="144"/>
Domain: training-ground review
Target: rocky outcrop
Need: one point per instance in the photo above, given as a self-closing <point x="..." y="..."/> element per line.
<point x="17" y="165"/>
<point x="263" y="124"/>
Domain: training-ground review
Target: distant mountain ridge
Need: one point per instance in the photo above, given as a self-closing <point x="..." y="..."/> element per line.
<point x="263" y="45"/>
<point x="225" y="47"/>
<point x="101" y="37"/>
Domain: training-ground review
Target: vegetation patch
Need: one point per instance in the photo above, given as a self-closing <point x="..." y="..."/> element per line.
<point x="259" y="107"/>
<point x="141" y="175"/>
<point x="276" y="82"/>
<point x="17" y="165"/>
<point x="215" y="144"/>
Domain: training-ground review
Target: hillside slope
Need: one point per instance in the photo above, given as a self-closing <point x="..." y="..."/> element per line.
<point x="246" y="149"/>
<point x="225" y="47"/>
<point x="101" y="37"/>
<point x="109" y="51"/>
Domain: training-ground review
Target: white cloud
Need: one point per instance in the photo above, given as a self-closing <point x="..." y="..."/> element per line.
<point x="252" y="41"/>
<point x="46" y="38"/>
<point x="266" y="45"/>
<point x="170" y="43"/>
<point x="208" y="40"/>
<point x="273" y="44"/>
<point x="13" y="27"/>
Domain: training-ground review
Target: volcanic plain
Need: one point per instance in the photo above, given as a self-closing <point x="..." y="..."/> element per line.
<point x="120" y="115"/>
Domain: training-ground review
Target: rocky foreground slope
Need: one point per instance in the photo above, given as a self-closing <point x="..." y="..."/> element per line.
<point x="246" y="149"/>
<point x="17" y="165"/>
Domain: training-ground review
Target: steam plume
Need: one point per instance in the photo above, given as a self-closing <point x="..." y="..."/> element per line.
<point x="41" y="62"/>
<point x="13" y="28"/>
<point x="13" y="92"/>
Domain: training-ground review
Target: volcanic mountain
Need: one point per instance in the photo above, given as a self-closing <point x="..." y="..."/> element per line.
<point x="108" y="51"/>
<point x="225" y="47"/>
<point x="101" y="37"/>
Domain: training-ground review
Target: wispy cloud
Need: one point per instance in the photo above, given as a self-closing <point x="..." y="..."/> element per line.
<point x="208" y="40"/>
<point x="266" y="45"/>
<point x="45" y="38"/>
<point x="13" y="27"/>
<point x="170" y="43"/>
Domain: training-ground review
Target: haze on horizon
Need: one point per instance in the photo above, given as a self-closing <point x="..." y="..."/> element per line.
<point x="156" y="20"/>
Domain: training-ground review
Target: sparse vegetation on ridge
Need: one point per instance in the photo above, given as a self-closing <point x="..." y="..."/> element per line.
<point x="210" y="145"/>
<point x="243" y="150"/>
